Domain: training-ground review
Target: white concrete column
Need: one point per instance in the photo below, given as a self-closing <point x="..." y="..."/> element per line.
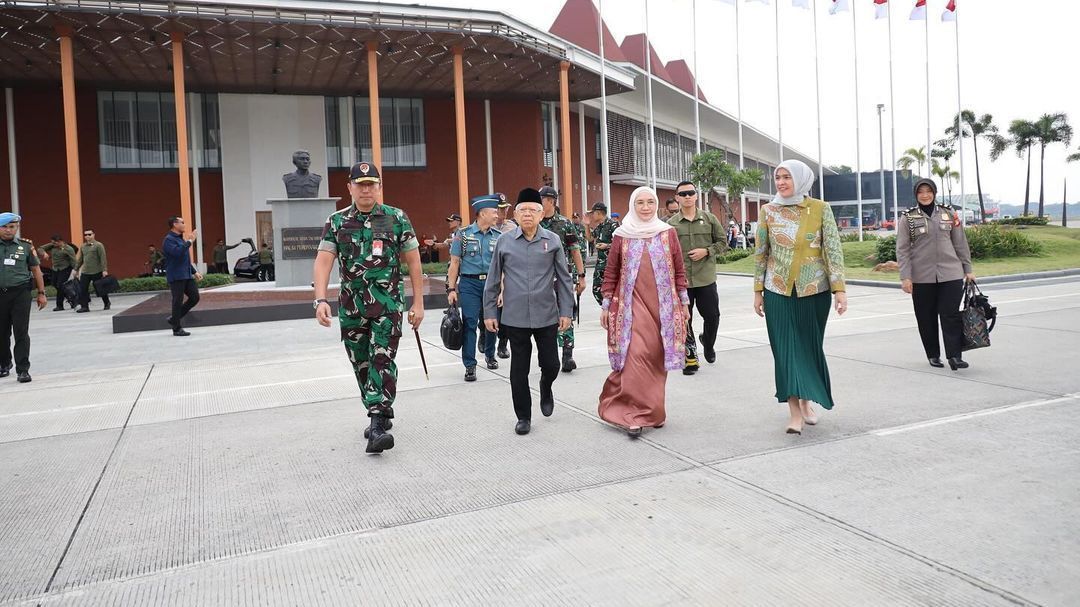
<point x="553" y="115"/>
<point x="487" y="141"/>
<point x="195" y="113"/>
<point x="584" y="179"/>
<point x="13" y="163"/>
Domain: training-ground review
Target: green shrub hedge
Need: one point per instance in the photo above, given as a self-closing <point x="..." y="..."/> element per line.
<point x="854" y="237"/>
<point x="158" y="283"/>
<point x="986" y="242"/>
<point x="1025" y="220"/>
<point x="734" y="255"/>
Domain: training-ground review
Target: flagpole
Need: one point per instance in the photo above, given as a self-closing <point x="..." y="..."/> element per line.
<point x="929" y="148"/>
<point x="697" y="102"/>
<point x="738" y="106"/>
<point x="892" y="125"/>
<point x="959" y="124"/>
<point x="817" y="93"/>
<point x="604" y="169"/>
<point x="648" y="72"/>
<point x="779" y="106"/>
<point x="858" y="141"/>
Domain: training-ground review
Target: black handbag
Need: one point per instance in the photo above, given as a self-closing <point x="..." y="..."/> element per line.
<point x="70" y="291"/>
<point x="452" y="330"/>
<point x="979" y="317"/>
<point x="106" y="285"/>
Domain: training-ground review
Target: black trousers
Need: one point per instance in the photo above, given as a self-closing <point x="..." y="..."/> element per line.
<point x="15" y="321"/>
<point x="708" y="306"/>
<point x="521" y="361"/>
<point x="180" y="308"/>
<point x="59" y="277"/>
<point x="221" y="268"/>
<point x="84" y="289"/>
<point x="935" y="300"/>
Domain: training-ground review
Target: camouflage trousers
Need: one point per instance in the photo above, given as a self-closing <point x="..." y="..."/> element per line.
<point x="372" y="344"/>
<point x="597" y="282"/>
<point x="565" y="338"/>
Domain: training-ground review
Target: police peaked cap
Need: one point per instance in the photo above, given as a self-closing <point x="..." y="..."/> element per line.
<point x="487" y="201"/>
<point x="529" y="195"/>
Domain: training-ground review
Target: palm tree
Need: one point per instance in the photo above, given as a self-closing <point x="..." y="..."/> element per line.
<point x="945" y="150"/>
<point x="967" y="125"/>
<point x="1050" y="129"/>
<point x="1022" y="137"/>
<point x="1075" y="157"/>
<point x="912" y="156"/>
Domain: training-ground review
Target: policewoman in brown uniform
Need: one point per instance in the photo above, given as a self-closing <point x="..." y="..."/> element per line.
<point x="934" y="259"/>
<point x="19" y="271"/>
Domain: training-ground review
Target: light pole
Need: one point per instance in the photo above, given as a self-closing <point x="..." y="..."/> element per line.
<point x="881" y="148"/>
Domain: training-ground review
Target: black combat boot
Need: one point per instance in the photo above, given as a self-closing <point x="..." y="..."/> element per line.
<point x="389" y="423"/>
<point x="568" y="363"/>
<point x="379" y="439"/>
<point x="503" y="352"/>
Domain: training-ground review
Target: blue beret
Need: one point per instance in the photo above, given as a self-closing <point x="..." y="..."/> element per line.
<point x="487" y="201"/>
<point x="6" y="218"/>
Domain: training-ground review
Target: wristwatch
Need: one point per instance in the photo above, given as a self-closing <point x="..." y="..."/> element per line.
<point x="315" y="305"/>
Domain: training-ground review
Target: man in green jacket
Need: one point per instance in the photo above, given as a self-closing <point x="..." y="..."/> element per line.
<point x="702" y="237"/>
<point x="91" y="264"/>
<point x="63" y="261"/>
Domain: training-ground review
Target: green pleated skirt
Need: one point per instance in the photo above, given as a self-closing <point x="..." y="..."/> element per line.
<point x="796" y="335"/>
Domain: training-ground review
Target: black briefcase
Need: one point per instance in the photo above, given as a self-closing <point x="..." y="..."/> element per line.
<point x="452" y="329"/>
<point x="106" y="285"/>
<point x="70" y="291"/>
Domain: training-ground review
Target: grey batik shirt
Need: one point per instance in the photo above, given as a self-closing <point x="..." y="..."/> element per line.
<point x="536" y="283"/>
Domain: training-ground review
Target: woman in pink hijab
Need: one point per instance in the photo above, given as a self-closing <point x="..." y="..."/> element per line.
<point x="645" y="313"/>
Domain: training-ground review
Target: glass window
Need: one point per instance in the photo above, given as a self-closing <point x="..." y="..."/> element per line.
<point x="138" y="130"/>
<point x="401" y="132"/>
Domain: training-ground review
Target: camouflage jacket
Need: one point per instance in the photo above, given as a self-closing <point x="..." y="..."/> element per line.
<point x="603" y="234"/>
<point x="368" y="246"/>
<point x="567" y="233"/>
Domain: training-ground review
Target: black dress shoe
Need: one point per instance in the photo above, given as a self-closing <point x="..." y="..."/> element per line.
<point x="492" y="363"/>
<point x="547" y="401"/>
<point x="710" y="353"/>
<point x="936" y="362"/>
<point x="180" y="333"/>
<point x="108" y="306"/>
<point x="634" y="431"/>
<point x="503" y="352"/>
<point x="58" y="308"/>
<point x="5" y="371"/>
<point x="523" y="426"/>
<point x="82" y="310"/>
<point x="24" y="377"/>
<point x="470" y="373"/>
<point x="957" y="363"/>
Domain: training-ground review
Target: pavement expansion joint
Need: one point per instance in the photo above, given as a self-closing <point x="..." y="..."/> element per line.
<point x="97" y="483"/>
<point x="872" y="537"/>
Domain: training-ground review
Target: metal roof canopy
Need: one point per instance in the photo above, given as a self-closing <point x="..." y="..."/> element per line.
<point x="293" y="47"/>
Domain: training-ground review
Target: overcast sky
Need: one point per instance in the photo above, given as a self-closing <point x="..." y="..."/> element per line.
<point x="1017" y="61"/>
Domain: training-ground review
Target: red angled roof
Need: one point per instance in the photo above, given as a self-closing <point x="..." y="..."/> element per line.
<point x="576" y="23"/>
<point x="633" y="48"/>
<point x="683" y="78"/>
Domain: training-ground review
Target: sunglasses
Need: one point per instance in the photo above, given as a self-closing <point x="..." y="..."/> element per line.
<point x="88" y="234"/>
<point x="686" y="193"/>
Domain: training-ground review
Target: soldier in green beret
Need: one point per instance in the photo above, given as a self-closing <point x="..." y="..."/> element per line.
<point x="370" y="241"/>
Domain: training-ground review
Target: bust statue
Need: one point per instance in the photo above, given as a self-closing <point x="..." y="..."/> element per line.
<point x="302" y="183"/>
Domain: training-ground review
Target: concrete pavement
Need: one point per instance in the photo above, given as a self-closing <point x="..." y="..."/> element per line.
<point x="227" y="468"/>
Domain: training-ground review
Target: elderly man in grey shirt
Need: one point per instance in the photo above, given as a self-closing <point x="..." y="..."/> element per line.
<point x="529" y="267"/>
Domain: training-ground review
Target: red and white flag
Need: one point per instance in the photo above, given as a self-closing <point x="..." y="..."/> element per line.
<point x="950" y="12"/>
<point x="919" y="12"/>
<point x="881" y="9"/>
<point x="838" y="6"/>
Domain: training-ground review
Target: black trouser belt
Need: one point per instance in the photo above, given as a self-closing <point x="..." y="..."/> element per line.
<point x="476" y="276"/>
<point x="15" y="288"/>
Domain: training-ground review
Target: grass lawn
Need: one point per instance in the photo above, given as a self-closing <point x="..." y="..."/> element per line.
<point x="1061" y="251"/>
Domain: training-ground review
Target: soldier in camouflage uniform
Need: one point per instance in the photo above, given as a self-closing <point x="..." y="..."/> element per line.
<point x="564" y="228"/>
<point x="601" y="235"/>
<point x="370" y="240"/>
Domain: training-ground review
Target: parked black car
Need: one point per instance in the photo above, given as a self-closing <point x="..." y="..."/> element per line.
<point x="249" y="266"/>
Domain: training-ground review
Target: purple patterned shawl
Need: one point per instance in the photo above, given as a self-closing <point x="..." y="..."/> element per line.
<point x="672" y="321"/>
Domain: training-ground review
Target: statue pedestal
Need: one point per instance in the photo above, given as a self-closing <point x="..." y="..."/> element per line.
<point x="298" y="226"/>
